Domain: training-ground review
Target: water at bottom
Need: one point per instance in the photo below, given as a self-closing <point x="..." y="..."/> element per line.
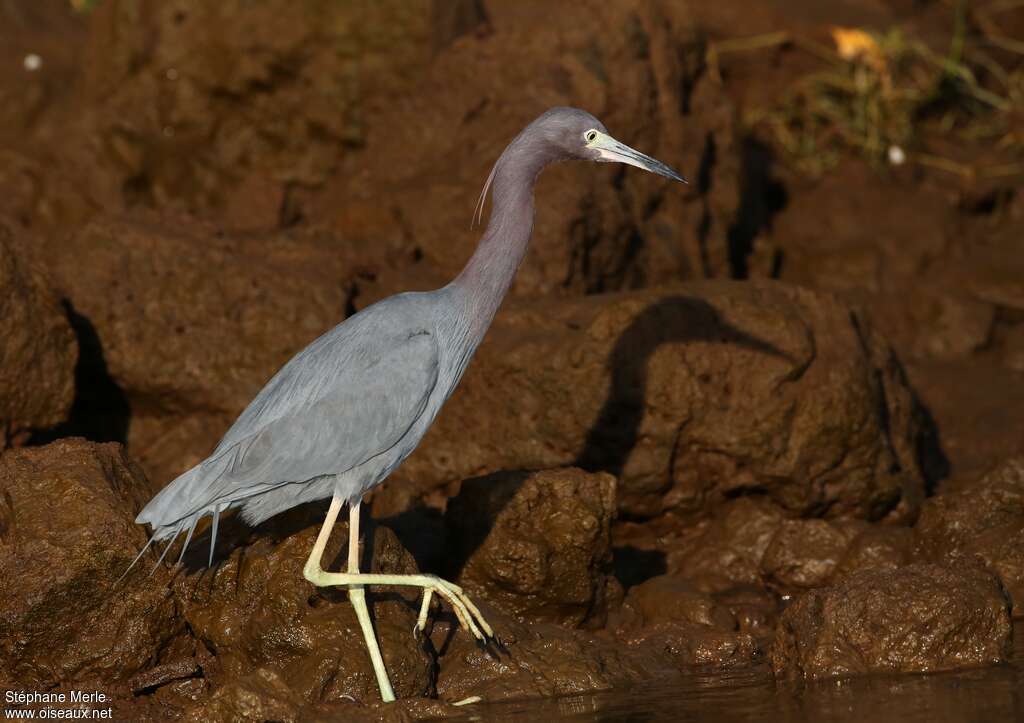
<point x="993" y="693"/>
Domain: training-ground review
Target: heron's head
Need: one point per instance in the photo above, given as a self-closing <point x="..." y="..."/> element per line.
<point x="562" y="134"/>
<point x="579" y="135"/>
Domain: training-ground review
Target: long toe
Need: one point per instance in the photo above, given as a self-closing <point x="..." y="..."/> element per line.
<point x="421" y="621"/>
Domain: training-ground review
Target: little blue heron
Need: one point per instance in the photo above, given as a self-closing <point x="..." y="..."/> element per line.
<point x="339" y="417"/>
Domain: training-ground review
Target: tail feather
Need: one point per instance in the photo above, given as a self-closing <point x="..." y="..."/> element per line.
<point x="213" y="533"/>
<point x="188" y="539"/>
<point x="170" y="533"/>
<point x="174" y="536"/>
<point x="137" y="558"/>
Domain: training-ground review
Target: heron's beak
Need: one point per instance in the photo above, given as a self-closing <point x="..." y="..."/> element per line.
<point x="614" y="152"/>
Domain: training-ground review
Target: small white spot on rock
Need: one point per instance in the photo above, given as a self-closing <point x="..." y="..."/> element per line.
<point x="172" y="74"/>
<point x="896" y="156"/>
<point x="32" y="62"/>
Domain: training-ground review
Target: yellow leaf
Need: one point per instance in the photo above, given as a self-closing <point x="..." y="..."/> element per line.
<point x="855" y="45"/>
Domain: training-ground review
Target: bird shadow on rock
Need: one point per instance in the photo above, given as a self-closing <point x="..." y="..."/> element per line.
<point x="931" y="454"/>
<point x="672" y="320"/>
<point x="100" y="411"/>
<point x="477" y="506"/>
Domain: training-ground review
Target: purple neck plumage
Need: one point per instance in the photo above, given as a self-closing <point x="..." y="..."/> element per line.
<point x="489" y="272"/>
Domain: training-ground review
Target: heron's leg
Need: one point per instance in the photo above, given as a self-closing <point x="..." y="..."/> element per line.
<point x="468" y="613"/>
<point x="313" y="563"/>
<point x="313" y="572"/>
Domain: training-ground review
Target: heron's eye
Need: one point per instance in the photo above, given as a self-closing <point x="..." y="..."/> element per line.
<point x="590" y="135"/>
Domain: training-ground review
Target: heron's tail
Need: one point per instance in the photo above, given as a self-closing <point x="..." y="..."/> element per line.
<point x="169" y="514"/>
<point x="171" y="532"/>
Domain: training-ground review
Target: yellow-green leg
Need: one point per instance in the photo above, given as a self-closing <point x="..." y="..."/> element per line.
<point x="356" y="593"/>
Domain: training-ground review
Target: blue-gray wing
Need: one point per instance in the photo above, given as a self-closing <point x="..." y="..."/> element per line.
<point x="350" y="396"/>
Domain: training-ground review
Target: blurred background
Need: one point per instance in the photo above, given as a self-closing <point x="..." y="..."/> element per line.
<point x="208" y="186"/>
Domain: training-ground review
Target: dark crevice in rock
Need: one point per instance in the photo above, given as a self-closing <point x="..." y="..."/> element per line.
<point x="634" y="565"/>
<point x="761" y="197"/>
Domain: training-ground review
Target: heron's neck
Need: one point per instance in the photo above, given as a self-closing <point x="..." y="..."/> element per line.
<point x="489" y="272"/>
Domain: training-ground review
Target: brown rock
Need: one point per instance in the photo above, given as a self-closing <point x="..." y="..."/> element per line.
<point x="215" y="107"/>
<point x="918" y="618"/>
<point x="984" y="520"/>
<point x="38" y="350"/>
<point x="66" y="535"/>
<point x="666" y="617"/>
<point x="754" y="609"/>
<point x="692" y="396"/>
<point x="537" y="545"/>
<point x="38" y="189"/>
<point x="727" y="550"/>
<point x="190" y="323"/>
<point x="690" y="646"/>
<point x="258" y="696"/>
<point x="262" y="695"/>
<point x="805" y="553"/>
<point x="257" y="612"/>
<point x="978" y="406"/>
<point x="670" y="598"/>
<point x="541" y="659"/>
<point x="877" y="546"/>
<point x="930" y="314"/>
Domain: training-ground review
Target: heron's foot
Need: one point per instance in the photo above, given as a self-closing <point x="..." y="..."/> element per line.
<point x="467" y="613"/>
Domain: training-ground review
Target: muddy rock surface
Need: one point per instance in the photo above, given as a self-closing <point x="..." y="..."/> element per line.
<point x="66" y="535"/>
<point x="226" y="109"/>
<point x="982" y="520"/>
<point x="726" y="551"/>
<point x="977" y="405"/>
<point x="948" y="296"/>
<point x="671" y="598"/>
<point x="38" y="352"/>
<point x="667" y="616"/>
<point x="877" y="546"/>
<point x="259" y="696"/>
<point x="720" y="629"/>
<point x="690" y="646"/>
<point x="537" y="546"/>
<point x="750" y="543"/>
<point x="263" y="695"/>
<point x="542" y="659"/>
<point x="918" y="618"/>
<point x="691" y="396"/>
<point x="806" y="553"/>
